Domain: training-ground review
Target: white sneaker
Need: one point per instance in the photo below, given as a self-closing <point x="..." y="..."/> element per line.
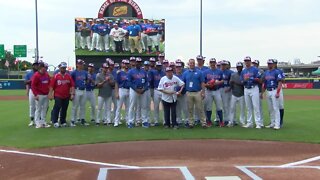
<point x="72" y="124"/>
<point x="64" y="125"/>
<point x="258" y="127"/>
<point x="46" y="125"/>
<point x="116" y="124"/>
<point x="31" y="124"/>
<point x="270" y="126"/>
<point x="276" y="128"/>
<point x="248" y="126"/>
<point x="38" y="126"/>
<point x="56" y="125"/>
<point x="230" y="124"/>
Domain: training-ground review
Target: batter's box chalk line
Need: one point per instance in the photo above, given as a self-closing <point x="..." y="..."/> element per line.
<point x="103" y="173"/>
<point x="293" y="165"/>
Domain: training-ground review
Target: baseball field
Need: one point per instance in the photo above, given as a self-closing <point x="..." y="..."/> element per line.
<point x="156" y="153"/>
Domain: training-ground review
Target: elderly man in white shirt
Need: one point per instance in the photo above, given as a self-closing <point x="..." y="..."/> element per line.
<point x="118" y="35"/>
<point x="168" y="86"/>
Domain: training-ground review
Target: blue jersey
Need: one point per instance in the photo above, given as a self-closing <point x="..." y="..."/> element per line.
<point x="138" y="79"/>
<point x="155" y="77"/>
<point x="178" y="88"/>
<point x="152" y="29"/>
<point x="215" y="74"/>
<point x="281" y="73"/>
<point x="248" y="75"/>
<point x="103" y="29"/>
<point x="94" y="28"/>
<point x="134" y="30"/>
<point x="114" y="72"/>
<point x="91" y="81"/>
<point x="271" y="78"/>
<point x="226" y="75"/>
<point x="204" y="68"/>
<point x="80" y="79"/>
<point x="122" y="79"/>
<point x="193" y="79"/>
<point x="29" y="75"/>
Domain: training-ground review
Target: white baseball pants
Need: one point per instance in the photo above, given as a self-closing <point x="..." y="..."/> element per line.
<point x="123" y="99"/>
<point x="138" y="99"/>
<point x="252" y="100"/>
<point x="78" y="101"/>
<point x="182" y="108"/>
<point x="41" y="110"/>
<point x="106" y="102"/>
<point x="273" y="106"/>
<point x="95" y="41"/>
<point x="156" y="103"/>
<point x="91" y="97"/>
<point x="226" y="98"/>
<point x="32" y="104"/>
<point x="233" y="109"/>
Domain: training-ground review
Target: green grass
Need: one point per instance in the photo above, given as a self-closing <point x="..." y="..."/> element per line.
<point x="301" y="125"/>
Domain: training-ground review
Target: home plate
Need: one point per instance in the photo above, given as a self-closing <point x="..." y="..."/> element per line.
<point x="223" y="178"/>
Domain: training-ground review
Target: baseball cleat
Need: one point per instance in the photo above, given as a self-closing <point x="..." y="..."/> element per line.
<point x="31" y="124"/>
<point x="258" y="127"/>
<point x="72" y="124"/>
<point x="64" y="125"/>
<point x="276" y="128"/>
<point x="130" y="125"/>
<point x="248" y="126"/>
<point x="145" y="125"/>
<point x="270" y="126"/>
<point x="116" y="124"/>
<point x="56" y="125"/>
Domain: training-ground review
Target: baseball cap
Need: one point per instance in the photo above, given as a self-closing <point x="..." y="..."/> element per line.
<point x="111" y="62"/>
<point x="138" y="59"/>
<point x="116" y="65"/>
<point x="41" y="64"/>
<point x="152" y="59"/>
<point x="132" y="58"/>
<point x="275" y="61"/>
<point x="172" y="64"/>
<point x="224" y="62"/>
<point x="270" y="61"/>
<point x="35" y="63"/>
<point x="158" y="63"/>
<point x="169" y="69"/>
<point x="219" y="63"/>
<point x="199" y="57"/>
<point x="80" y="61"/>
<point x="178" y="61"/>
<point x="247" y="58"/>
<point x="90" y="65"/>
<point x="165" y="61"/>
<point x="124" y="61"/>
<point x="178" y="64"/>
<point x="239" y="64"/>
<point x="212" y="60"/>
<point x="256" y="62"/>
<point x="63" y="64"/>
<point x="161" y="55"/>
<point x="146" y="63"/>
<point x="105" y="65"/>
<point x="90" y="20"/>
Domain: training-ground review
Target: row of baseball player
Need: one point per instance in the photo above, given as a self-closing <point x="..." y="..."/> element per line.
<point x="187" y="93"/>
<point x="104" y="35"/>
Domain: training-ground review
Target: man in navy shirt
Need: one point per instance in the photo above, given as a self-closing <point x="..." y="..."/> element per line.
<point x="80" y="78"/>
<point x="194" y="83"/>
<point x="32" y="101"/>
<point x="90" y="95"/>
<point x="155" y="76"/>
<point x="137" y="78"/>
<point x="213" y="79"/>
<point x="134" y="31"/>
<point x="250" y="77"/>
<point x="273" y="83"/>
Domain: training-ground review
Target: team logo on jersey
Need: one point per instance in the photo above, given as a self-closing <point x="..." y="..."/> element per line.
<point x="120" y="10"/>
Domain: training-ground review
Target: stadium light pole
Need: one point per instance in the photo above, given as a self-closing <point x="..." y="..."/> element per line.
<point x="37" y="41"/>
<point x="200" y="27"/>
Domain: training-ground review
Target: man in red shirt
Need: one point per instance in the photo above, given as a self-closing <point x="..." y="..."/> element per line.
<point x="62" y="90"/>
<point x="40" y="88"/>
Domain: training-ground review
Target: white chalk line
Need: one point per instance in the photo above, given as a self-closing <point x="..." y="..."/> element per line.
<point x="184" y="170"/>
<point x="66" y="159"/>
<point x="292" y="165"/>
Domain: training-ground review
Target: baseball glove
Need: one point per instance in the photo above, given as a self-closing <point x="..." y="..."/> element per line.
<point x="211" y="84"/>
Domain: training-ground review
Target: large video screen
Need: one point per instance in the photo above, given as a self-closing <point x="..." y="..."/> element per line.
<point x="119" y="36"/>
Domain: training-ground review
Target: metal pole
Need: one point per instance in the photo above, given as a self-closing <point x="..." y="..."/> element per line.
<point x="201" y="27"/>
<point x="37" y="42"/>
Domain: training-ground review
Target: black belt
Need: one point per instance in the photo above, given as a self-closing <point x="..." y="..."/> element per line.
<point x="81" y="89"/>
<point x="271" y="89"/>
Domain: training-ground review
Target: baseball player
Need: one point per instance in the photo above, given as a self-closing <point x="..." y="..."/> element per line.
<point x="152" y="61"/>
<point x="78" y="34"/>
<point x="132" y="62"/>
<point x="256" y="63"/>
<point x="137" y="78"/>
<point x="103" y="38"/>
<point x="122" y="92"/>
<point x="85" y="33"/>
<point x="195" y="87"/>
<point x="168" y="86"/>
<point x="152" y="36"/>
<point x="114" y="99"/>
<point x="182" y="105"/>
<point x="40" y="88"/>
<point x="161" y="57"/>
<point x="32" y="102"/>
<point x="155" y="76"/>
<point x="80" y="78"/>
<point x="281" y="99"/>
<point x="118" y="35"/>
<point x="104" y="82"/>
<point x="213" y="79"/>
<point x="146" y="67"/>
<point x="237" y="97"/>
<point x="90" y="95"/>
<point x="165" y="63"/>
<point x="273" y="84"/>
<point x="61" y="90"/>
<point x="95" y="35"/>
<point x="250" y="77"/>
<point x="225" y="89"/>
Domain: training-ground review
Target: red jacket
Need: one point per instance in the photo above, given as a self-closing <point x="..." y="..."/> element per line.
<point x="61" y="85"/>
<point x="40" y="84"/>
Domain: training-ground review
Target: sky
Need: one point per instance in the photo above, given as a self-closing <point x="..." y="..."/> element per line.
<point x="232" y="29"/>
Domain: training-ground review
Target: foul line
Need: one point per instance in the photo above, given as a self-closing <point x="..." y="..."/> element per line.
<point x="301" y="162"/>
<point x="66" y="159"/>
